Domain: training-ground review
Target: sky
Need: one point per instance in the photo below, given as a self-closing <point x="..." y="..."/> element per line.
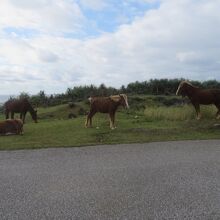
<point x="53" y="45"/>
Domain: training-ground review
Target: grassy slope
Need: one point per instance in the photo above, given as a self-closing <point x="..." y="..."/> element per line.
<point x="155" y="123"/>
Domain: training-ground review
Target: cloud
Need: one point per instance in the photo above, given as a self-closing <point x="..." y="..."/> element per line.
<point x="47" y="56"/>
<point x="94" y="4"/>
<point x="51" y="17"/>
<point x="175" y="39"/>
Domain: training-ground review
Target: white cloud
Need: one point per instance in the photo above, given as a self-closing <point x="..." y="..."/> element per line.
<point x="47" y="16"/>
<point x="179" y="39"/>
<point x="47" y="56"/>
<point x="188" y="57"/>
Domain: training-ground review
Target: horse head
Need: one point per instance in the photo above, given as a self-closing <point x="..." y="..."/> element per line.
<point x="124" y="100"/>
<point x="34" y="116"/>
<point x="183" y="88"/>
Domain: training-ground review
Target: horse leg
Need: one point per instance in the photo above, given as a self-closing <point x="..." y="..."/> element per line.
<point x="112" y="120"/>
<point x="218" y="112"/>
<point x="198" y="114"/>
<point x="24" y="114"/>
<point x="89" y="119"/>
<point x="21" y="117"/>
<point x="12" y="115"/>
<point x="7" y="114"/>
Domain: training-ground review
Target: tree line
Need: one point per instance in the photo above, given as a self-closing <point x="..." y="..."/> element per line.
<point x="78" y="93"/>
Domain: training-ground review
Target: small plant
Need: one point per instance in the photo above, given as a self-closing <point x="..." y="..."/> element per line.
<point x="71" y="115"/>
<point x="72" y="105"/>
<point x="81" y="111"/>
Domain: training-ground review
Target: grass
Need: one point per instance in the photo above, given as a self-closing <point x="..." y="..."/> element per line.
<point x="153" y="123"/>
<point x="178" y="113"/>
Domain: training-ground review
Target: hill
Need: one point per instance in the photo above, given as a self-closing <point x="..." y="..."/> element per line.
<point x="150" y="118"/>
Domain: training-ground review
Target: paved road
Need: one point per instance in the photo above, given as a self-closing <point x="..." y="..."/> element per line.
<point x="172" y="180"/>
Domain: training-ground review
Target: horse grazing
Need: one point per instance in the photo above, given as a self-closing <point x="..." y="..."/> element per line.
<point x="199" y="96"/>
<point x="106" y="105"/>
<point x="11" y="126"/>
<point x="21" y="106"/>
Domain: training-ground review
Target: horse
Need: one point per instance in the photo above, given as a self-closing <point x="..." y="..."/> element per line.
<point x="199" y="96"/>
<point x="106" y="105"/>
<point x="11" y="126"/>
<point x="21" y="106"/>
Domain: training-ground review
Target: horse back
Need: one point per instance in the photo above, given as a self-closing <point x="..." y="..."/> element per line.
<point x="17" y="105"/>
<point x="208" y="96"/>
<point x="102" y="104"/>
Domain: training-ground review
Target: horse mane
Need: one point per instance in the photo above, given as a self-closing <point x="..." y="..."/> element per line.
<point x="188" y="83"/>
<point x="115" y="98"/>
<point x="182" y="83"/>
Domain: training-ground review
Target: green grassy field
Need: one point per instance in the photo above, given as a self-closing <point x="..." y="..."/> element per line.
<point x="148" y="120"/>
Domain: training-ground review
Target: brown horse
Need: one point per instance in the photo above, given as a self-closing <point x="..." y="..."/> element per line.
<point x="21" y="106"/>
<point x="106" y="105"/>
<point x="11" y="126"/>
<point x="199" y="96"/>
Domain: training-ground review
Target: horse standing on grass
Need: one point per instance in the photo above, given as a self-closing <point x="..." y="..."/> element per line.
<point x="21" y="106"/>
<point x="199" y="96"/>
<point x="106" y="105"/>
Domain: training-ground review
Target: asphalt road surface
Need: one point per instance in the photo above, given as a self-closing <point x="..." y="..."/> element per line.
<point x="171" y="180"/>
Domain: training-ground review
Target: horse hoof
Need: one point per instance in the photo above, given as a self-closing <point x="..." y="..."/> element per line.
<point x="198" y="118"/>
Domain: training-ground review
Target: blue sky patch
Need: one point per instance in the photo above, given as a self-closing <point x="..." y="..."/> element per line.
<point x="114" y="15"/>
<point x="20" y="32"/>
<point x="109" y="18"/>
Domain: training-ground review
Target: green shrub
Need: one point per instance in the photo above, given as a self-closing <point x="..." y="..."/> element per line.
<point x="177" y="113"/>
<point x="81" y="111"/>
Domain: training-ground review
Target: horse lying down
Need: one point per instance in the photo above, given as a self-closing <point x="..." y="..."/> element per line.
<point x="11" y="126"/>
<point x="107" y="105"/>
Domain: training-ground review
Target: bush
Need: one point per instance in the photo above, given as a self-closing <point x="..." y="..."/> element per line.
<point x="72" y="104"/>
<point x="81" y="111"/>
<point x="1" y="109"/>
<point x="178" y="113"/>
<point x="71" y="115"/>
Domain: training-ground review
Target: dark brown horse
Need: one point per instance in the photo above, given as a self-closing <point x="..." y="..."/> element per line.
<point x="106" y="105"/>
<point x="200" y="96"/>
<point x="21" y="106"/>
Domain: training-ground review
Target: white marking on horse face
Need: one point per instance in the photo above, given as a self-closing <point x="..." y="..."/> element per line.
<point x="180" y="86"/>
<point x="90" y="99"/>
